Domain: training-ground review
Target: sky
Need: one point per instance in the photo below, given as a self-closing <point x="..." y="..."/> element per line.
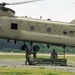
<point x="58" y="10"/>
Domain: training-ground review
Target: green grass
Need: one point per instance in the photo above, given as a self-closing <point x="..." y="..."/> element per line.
<point x="30" y="71"/>
<point x="70" y="59"/>
<point x="12" y="57"/>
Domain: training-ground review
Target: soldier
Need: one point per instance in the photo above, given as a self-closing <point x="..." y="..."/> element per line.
<point x="27" y="56"/>
<point x="34" y="54"/>
<point x="54" y="54"/>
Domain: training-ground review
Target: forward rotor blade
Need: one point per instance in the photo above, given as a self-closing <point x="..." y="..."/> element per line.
<point x="17" y="3"/>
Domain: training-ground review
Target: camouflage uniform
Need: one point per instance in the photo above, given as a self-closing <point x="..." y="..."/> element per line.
<point x="34" y="54"/>
<point x="27" y="57"/>
<point x="54" y="54"/>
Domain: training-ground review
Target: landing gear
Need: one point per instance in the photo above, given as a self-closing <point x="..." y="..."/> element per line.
<point x="35" y="49"/>
<point x="23" y="47"/>
<point x="64" y="51"/>
<point x="48" y="46"/>
<point x="32" y="50"/>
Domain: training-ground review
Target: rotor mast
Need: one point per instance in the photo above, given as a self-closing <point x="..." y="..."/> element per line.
<point x="9" y="12"/>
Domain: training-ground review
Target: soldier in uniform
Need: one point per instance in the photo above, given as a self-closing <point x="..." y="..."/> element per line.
<point x="27" y="56"/>
<point x="34" y="54"/>
<point x="54" y="54"/>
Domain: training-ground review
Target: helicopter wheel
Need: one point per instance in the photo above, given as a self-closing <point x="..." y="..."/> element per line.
<point x="36" y="48"/>
<point x="23" y="47"/>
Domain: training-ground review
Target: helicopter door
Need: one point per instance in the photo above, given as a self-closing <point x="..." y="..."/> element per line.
<point x="14" y="30"/>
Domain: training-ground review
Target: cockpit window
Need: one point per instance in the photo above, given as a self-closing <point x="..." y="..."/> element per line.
<point x="14" y="26"/>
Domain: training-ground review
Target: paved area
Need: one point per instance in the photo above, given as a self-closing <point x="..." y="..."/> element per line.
<point x="21" y="64"/>
<point x="40" y="54"/>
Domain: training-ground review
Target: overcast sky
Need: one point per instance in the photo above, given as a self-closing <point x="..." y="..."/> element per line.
<point x="59" y="10"/>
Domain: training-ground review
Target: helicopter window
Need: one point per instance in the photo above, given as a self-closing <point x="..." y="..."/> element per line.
<point x="48" y="30"/>
<point x="32" y="28"/>
<point x="14" y="26"/>
<point x="65" y="31"/>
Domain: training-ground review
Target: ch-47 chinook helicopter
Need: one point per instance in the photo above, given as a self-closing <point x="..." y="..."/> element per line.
<point x="34" y="30"/>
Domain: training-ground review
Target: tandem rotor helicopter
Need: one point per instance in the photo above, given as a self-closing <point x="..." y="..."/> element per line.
<point x="34" y="30"/>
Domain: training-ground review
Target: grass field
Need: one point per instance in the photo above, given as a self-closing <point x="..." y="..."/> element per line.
<point x="30" y="71"/>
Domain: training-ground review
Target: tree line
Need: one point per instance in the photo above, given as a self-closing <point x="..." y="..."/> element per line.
<point x="11" y="47"/>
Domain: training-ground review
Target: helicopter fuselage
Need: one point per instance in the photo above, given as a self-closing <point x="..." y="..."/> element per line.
<point x="37" y="30"/>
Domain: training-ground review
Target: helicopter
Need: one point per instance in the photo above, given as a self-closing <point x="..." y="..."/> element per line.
<point x="34" y="30"/>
